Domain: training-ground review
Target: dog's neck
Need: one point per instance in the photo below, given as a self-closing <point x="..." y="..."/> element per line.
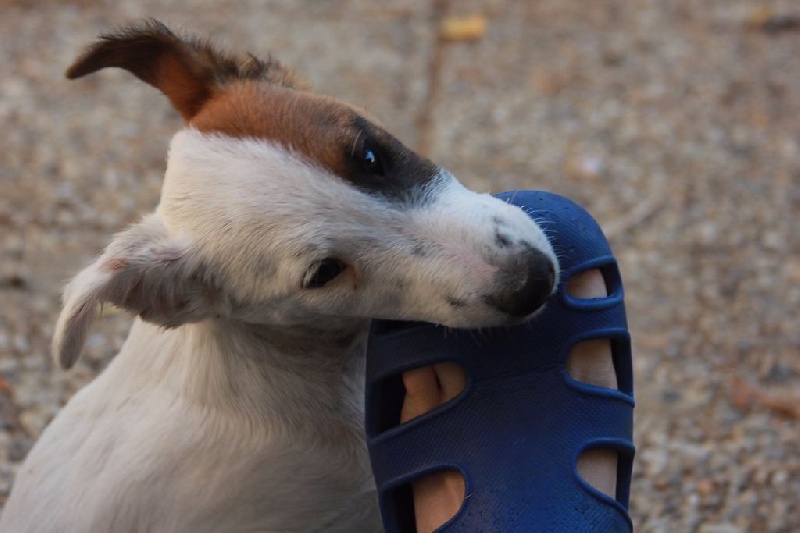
<point x="298" y="377"/>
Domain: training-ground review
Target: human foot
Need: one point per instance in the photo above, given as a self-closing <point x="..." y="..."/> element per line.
<point x="437" y="497"/>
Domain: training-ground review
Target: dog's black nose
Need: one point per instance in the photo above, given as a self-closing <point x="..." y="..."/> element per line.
<point x="534" y="293"/>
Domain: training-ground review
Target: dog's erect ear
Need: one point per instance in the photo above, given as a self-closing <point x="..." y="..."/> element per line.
<point x="187" y="70"/>
<point x="145" y="271"/>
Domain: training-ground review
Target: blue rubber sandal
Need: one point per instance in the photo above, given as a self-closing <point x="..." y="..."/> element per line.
<point x="517" y="429"/>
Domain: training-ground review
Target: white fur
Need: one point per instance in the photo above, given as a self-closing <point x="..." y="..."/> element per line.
<point x="237" y="404"/>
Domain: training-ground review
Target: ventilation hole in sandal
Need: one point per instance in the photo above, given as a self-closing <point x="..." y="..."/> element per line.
<point x="399" y="508"/>
<point x="433" y="499"/>
<point x="589" y="284"/>
<point x="592" y="362"/>
<point x="623" y="363"/>
<point x="608" y="469"/>
<point x="413" y="393"/>
<point x="430" y="387"/>
<point x="603" y="362"/>
<point x="603" y="281"/>
<point x="624" y="475"/>
<point x="386" y="398"/>
<point x="598" y="467"/>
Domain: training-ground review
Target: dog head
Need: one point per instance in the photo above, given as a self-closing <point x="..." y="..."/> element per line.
<point x="286" y="207"/>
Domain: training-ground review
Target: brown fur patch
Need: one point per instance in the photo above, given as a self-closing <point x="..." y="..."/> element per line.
<point x="332" y="134"/>
<point x="316" y="126"/>
<point x="184" y="92"/>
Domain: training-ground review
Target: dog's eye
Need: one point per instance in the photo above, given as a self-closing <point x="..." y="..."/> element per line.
<point x="372" y="160"/>
<point x="323" y="272"/>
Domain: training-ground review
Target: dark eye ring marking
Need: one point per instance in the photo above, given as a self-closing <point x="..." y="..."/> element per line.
<point x="378" y="163"/>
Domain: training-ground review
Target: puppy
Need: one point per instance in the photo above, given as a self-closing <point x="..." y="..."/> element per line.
<point x="287" y="221"/>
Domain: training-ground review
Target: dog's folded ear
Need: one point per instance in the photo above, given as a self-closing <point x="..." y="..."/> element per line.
<point x="187" y="70"/>
<point x="144" y="270"/>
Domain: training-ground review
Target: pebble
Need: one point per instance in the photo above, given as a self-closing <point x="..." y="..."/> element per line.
<point x="720" y="528"/>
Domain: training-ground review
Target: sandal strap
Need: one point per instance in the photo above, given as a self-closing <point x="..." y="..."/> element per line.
<point x="416" y="345"/>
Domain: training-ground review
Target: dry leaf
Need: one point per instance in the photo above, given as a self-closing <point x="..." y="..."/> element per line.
<point x="470" y="28"/>
<point x="744" y="395"/>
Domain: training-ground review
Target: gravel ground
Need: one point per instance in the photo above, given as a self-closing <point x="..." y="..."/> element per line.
<point x="676" y="123"/>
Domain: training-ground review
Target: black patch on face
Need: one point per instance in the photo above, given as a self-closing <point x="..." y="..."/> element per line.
<point x="502" y="240"/>
<point x="378" y="163"/>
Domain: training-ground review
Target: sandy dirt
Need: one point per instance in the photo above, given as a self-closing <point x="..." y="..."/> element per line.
<point x="677" y="124"/>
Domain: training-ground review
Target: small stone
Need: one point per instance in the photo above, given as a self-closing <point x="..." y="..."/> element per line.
<point x="585" y="167"/>
<point x="720" y="528"/>
<point x="19" y="448"/>
<point x="21" y="344"/>
<point x="33" y="421"/>
<point x="708" y="232"/>
<point x="705" y="487"/>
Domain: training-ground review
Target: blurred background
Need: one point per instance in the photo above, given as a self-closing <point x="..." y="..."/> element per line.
<point x="677" y="124"/>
